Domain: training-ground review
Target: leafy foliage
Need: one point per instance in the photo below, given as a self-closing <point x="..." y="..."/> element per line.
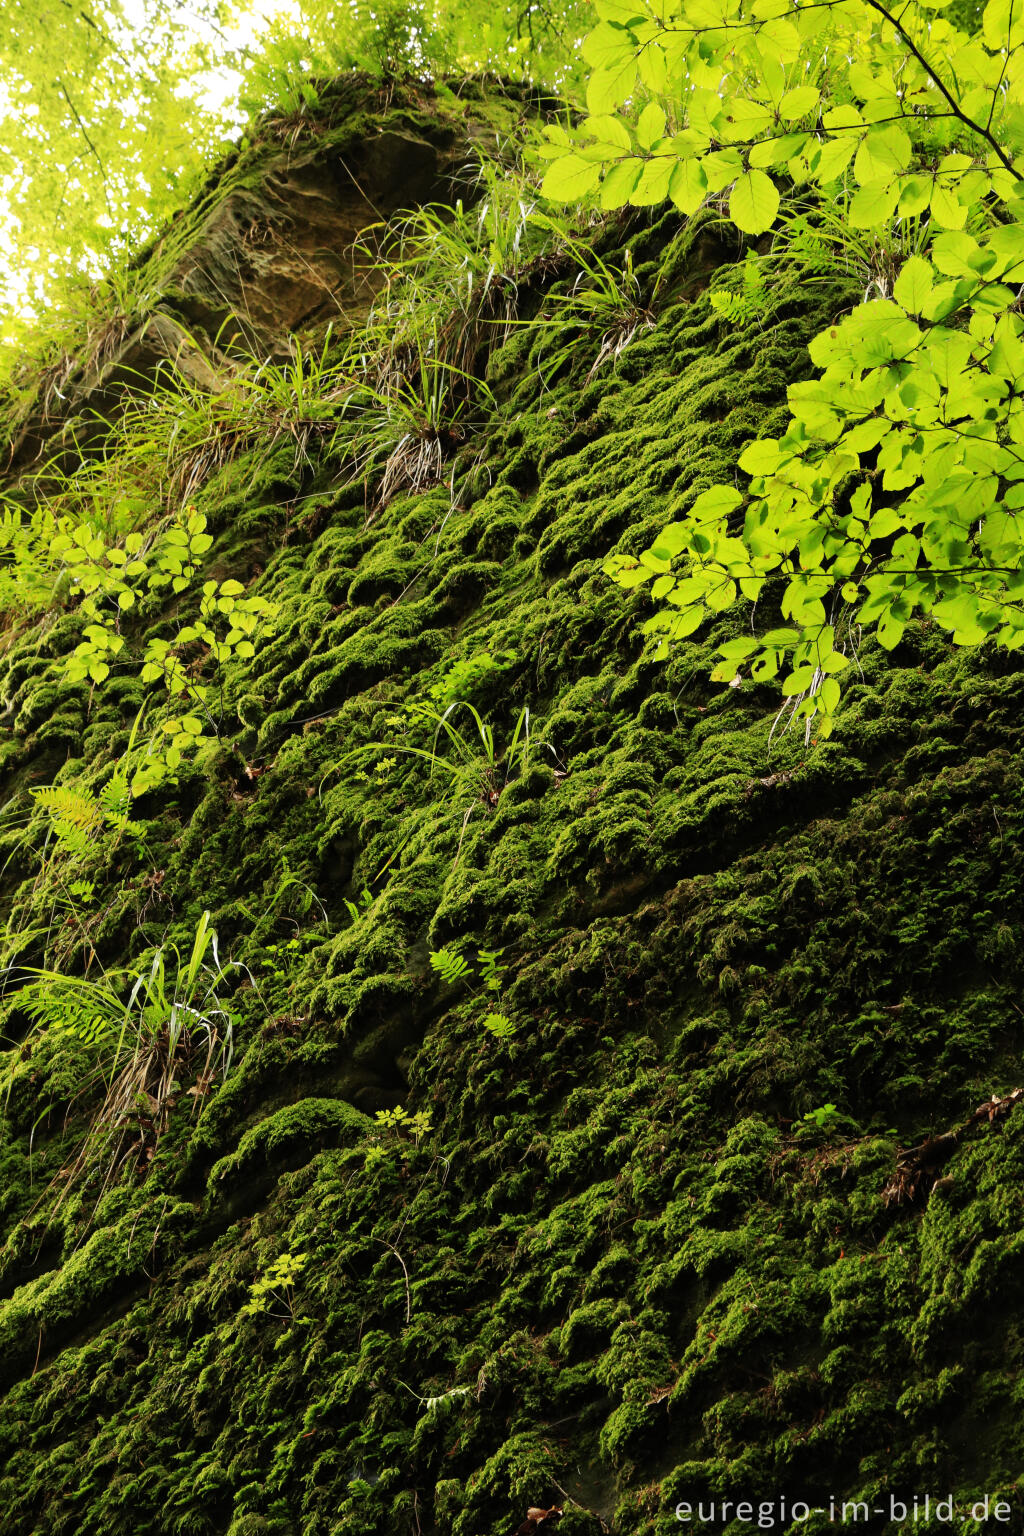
<point x="81" y="550"/>
<point x="449" y="965"/>
<point x="485" y="975"/>
<point x="276" y="1288"/>
<point x="469" y="673"/>
<point x="500" y="1026"/>
<point x="896" y="488"/>
<point x="400" y="1121"/>
<point x="359" y="908"/>
<point x="79" y="818"/>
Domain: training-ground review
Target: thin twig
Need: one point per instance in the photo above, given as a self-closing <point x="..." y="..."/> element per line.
<point x="84" y="131"/>
<point x="405" y="1272"/>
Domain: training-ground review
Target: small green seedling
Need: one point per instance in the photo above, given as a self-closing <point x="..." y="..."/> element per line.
<point x="454" y="968"/>
<point x="399" y="1120"/>
<point x="821" y="1118"/>
<point x="277" y="1289"/>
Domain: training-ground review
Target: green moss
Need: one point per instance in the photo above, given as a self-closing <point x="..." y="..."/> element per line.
<point x="290" y="1134"/>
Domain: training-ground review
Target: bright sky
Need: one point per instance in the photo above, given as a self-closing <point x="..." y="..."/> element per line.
<point x="244" y="32"/>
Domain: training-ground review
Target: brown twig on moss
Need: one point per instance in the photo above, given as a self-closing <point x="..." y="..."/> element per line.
<point x="917" y="1168"/>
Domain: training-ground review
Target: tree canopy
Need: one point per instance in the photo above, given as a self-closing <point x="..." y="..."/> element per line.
<point x="101" y="130"/>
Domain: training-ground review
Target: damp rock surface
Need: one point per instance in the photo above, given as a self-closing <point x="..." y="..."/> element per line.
<point x="638" y="1249"/>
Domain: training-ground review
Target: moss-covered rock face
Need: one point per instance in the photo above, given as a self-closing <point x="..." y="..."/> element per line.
<point x="605" y="1256"/>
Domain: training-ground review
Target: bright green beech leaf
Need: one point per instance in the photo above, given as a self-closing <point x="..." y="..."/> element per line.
<point x="890" y="631"/>
<point x="747" y="119"/>
<point x="828" y="695"/>
<point x="1006" y="360"/>
<point x="620" y="183"/>
<point x="721" y="167"/>
<point x="882" y="153"/>
<point x="913" y="287"/>
<point x="955" y="254"/>
<point x="688" y="186"/>
<point x="884" y="522"/>
<point x="608" y="46"/>
<point x="832" y="159"/>
<point x="630" y="576"/>
<point x="739" y="649"/>
<point x="842" y="118"/>
<point x="777" y="151"/>
<point x="873" y="204"/>
<point x="652" y="186"/>
<point x="569" y="179"/>
<point x="673" y="539"/>
<point x="915" y="195"/>
<point x="798" y="681"/>
<point x="607" y="130"/>
<point x="609" y="88"/>
<point x="754" y="203"/>
<point x="761" y="457"/>
<point x="947" y="209"/>
<point x="715" y="503"/>
<point x="797" y="103"/>
<point x="1002" y="24"/>
<point x="624" y="12"/>
<point x="650" y="125"/>
<point x="654" y="68"/>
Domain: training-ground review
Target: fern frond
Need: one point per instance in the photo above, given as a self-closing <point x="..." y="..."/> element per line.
<point x="61" y="1009"/>
<point x="449" y="964"/>
<point x="500" y="1026"/>
<point x="72" y="837"/>
<point x="489" y="961"/>
<point x="77" y="807"/>
<point x="115" y="798"/>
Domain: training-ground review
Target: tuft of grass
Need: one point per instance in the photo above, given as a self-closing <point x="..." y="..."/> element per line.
<point x="603" y="299"/>
<point x="404" y="428"/>
<point x="452" y="274"/>
<point x="137" y="1036"/>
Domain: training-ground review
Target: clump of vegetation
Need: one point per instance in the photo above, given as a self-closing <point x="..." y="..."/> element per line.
<point x="144" y="1033"/>
<point x="483" y="975"/>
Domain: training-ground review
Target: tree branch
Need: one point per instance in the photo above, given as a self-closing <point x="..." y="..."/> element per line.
<point x="944" y="91"/>
<point x="82" y="128"/>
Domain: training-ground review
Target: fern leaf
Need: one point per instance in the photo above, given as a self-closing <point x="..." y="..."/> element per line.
<point x="115" y="799"/>
<point x="449" y="964"/>
<point x="500" y="1025"/>
<point x="72" y="837"/>
<point x="77" y="807"/>
<point x="489" y="961"/>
